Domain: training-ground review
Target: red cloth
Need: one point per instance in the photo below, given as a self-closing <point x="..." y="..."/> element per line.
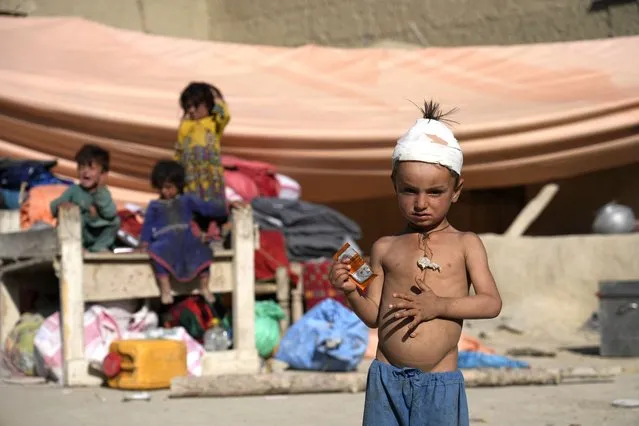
<point x="271" y="255"/>
<point x="317" y="287"/>
<point x="192" y="313"/>
<point x="242" y="184"/>
<point x="250" y="178"/>
<point x="129" y="223"/>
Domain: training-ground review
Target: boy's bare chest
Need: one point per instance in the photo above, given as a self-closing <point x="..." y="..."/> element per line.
<point x="437" y="264"/>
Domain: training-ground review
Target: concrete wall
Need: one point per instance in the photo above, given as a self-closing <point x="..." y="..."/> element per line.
<point x="356" y="23"/>
<point x="549" y="284"/>
<point x="176" y="18"/>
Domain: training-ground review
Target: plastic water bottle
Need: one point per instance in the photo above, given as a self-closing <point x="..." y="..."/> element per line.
<point x="216" y="338"/>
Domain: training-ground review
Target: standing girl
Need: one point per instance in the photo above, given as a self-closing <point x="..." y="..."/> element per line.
<point x="198" y="146"/>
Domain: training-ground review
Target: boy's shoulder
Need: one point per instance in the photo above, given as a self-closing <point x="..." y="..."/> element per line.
<point x="383" y="244"/>
<point x="464" y="238"/>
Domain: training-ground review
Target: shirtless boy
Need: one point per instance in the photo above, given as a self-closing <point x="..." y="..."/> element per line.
<point x="421" y="294"/>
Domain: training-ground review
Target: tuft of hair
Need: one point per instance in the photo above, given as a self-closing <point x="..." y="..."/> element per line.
<point x="433" y="111"/>
<point x="168" y="171"/>
<point x="198" y="92"/>
<point x="92" y="154"/>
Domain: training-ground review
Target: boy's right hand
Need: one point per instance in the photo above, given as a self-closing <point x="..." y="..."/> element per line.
<point x="339" y="277"/>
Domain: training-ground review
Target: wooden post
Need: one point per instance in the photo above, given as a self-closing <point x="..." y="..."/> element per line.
<point x="297" y="295"/>
<point x="9" y="293"/>
<point x="283" y="295"/>
<point x="74" y="365"/>
<point x="243" y="244"/>
<point x="9" y="307"/>
<point x="9" y="221"/>
<point x="532" y="210"/>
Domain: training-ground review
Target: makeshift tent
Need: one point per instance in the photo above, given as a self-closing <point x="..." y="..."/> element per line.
<point x="327" y="117"/>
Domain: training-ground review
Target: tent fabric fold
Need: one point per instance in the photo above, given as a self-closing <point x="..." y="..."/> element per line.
<point x="327" y="117"/>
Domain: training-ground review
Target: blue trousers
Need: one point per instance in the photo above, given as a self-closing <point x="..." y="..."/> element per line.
<point x="411" y="397"/>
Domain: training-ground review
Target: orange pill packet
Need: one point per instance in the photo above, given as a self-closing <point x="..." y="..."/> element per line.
<point x="360" y="272"/>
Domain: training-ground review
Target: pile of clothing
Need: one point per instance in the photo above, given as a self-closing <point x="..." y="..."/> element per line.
<point x="30" y="185"/>
<point x="312" y="231"/>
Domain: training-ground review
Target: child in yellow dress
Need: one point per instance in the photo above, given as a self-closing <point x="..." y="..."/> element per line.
<point x="198" y="150"/>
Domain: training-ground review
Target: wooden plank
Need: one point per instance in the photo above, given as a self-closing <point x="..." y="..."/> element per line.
<point x="29" y="244"/>
<point x="9" y="221"/>
<point x="132" y="279"/>
<point x="243" y="243"/>
<point x="140" y="257"/>
<point x="297" y="294"/>
<point x="9" y="307"/>
<point x="10" y="285"/>
<point x="283" y="286"/>
<point x="265" y="288"/>
<point x="533" y="209"/>
<point x="230" y="362"/>
<point x="267" y="384"/>
<point x="243" y="358"/>
<point x="295" y="382"/>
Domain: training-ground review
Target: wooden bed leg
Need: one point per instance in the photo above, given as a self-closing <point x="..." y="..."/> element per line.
<point x="74" y="365"/>
<point x="297" y="295"/>
<point x="9" y="221"/>
<point x="283" y="295"/>
<point x="244" y="284"/>
<point x="9" y="307"/>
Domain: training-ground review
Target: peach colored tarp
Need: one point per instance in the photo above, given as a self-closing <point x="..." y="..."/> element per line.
<point x="327" y="117"/>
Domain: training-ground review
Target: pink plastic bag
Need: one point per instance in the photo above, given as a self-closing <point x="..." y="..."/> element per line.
<point x="100" y="329"/>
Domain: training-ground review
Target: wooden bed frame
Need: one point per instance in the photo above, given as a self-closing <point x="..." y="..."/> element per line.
<point x="98" y="277"/>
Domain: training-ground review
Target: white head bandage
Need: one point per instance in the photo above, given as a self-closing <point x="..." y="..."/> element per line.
<point x="429" y="141"/>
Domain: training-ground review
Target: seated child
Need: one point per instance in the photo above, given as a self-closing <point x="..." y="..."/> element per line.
<point x="100" y="221"/>
<point x="167" y="236"/>
<point x="420" y="297"/>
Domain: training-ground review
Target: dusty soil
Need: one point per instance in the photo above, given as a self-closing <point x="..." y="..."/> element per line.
<point x="561" y="405"/>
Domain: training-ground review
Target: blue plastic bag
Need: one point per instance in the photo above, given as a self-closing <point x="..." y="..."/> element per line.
<point x="483" y="360"/>
<point x="329" y="337"/>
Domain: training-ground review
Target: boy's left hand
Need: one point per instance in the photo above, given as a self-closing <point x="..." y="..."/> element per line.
<point x="422" y="307"/>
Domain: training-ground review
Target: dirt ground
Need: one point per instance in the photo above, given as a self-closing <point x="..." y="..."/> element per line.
<point x="561" y="405"/>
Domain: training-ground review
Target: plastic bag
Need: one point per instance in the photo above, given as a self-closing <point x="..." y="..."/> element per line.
<point x="267" y="327"/>
<point x="19" y="354"/>
<point x="329" y="337"/>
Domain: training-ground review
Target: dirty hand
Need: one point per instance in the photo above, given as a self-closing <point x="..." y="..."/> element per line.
<point x="422" y="307"/>
<point x="339" y="277"/>
<point x="93" y="211"/>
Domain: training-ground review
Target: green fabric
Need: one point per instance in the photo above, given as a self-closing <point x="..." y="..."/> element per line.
<point x="98" y="232"/>
<point x="267" y="327"/>
<point x="188" y="320"/>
